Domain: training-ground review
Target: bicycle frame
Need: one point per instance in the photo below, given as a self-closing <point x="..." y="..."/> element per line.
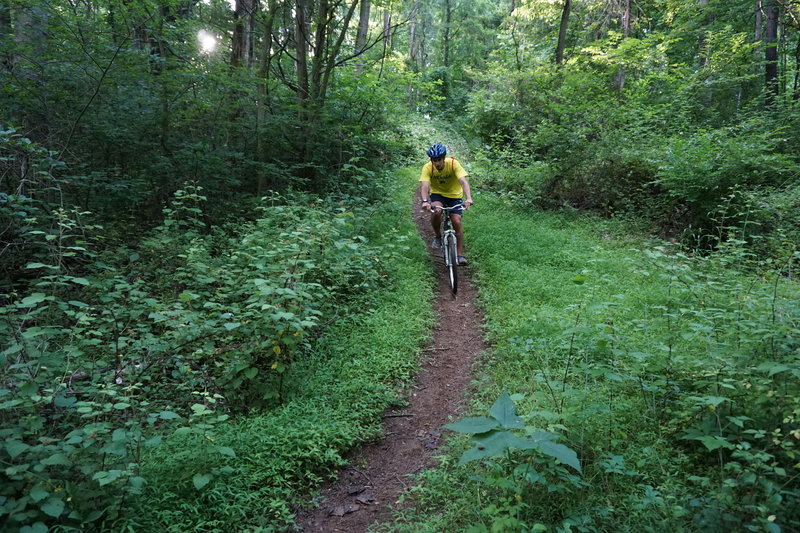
<point x="448" y="236"/>
<point x="449" y="247"/>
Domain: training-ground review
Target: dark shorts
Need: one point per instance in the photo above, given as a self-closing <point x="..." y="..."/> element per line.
<point x="448" y="202"/>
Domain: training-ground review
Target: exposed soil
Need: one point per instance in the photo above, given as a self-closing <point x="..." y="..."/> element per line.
<point x="367" y="491"/>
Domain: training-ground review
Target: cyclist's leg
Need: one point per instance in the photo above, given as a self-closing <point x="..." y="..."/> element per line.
<point x="436" y="218"/>
<point x="436" y="215"/>
<point x="456" y="219"/>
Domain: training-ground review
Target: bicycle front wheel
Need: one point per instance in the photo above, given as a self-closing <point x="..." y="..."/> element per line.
<point x="451" y="262"/>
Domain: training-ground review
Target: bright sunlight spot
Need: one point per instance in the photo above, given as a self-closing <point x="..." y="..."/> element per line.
<point x="207" y="41"/>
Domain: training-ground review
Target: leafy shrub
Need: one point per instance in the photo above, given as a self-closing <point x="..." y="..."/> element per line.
<point x="30" y="205"/>
<point x="766" y="221"/>
<point x="96" y="367"/>
<point x="700" y="171"/>
<point x="515" y="175"/>
<point x="738" y="404"/>
<point x="515" y="478"/>
<point x="674" y="377"/>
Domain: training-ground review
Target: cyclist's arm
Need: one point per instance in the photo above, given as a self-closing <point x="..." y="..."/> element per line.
<point x="425" y="193"/>
<point x="467" y="192"/>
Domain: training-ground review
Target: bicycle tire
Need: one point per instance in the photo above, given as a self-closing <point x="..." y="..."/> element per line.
<point x="452" y="264"/>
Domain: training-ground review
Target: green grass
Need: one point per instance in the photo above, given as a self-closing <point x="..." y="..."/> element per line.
<point x="337" y="394"/>
<point x="659" y="369"/>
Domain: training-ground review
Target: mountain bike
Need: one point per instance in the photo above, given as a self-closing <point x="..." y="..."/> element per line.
<point x="449" y="246"/>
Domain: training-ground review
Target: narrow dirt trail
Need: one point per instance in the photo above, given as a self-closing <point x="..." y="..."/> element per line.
<point x="367" y="490"/>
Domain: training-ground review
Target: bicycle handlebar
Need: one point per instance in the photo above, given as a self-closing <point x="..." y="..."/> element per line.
<point x="443" y="208"/>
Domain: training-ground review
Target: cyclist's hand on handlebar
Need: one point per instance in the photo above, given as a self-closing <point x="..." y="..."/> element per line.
<point x="467" y="204"/>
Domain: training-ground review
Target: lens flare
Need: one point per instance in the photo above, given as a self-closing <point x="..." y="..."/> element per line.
<point x="207" y="41"/>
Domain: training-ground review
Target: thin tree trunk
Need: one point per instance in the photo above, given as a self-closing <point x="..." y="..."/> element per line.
<point x="301" y="52"/>
<point x="625" y="21"/>
<point x="263" y="92"/>
<point x="759" y="22"/>
<point x="363" y="26"/>
<point x="5" y="32"/>
<point x="562" y="32"/>
<point x="320" y="48"/>
<point x="387" y="29"/>
<point x="413" y="45"/>
<point x="771" y="53"/>
<point x="333" y="53"/>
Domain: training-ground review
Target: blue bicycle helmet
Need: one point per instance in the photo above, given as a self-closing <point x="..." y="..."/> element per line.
<point x="436" y="151"/>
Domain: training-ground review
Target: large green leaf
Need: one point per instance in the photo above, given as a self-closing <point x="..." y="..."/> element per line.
<point x="15" y="447"/>
<point x="56" y="459"/>
<point x="473" y="425"/>
<point x="37" y="527"/>
<point x="505" y="412"/>
<point x="33" y="299"/>
<point x="560" y="452"/>
<point x="106" y="477"/>
<point x="225" y="450"/>
<point x="201" y="480"/>
<point x="53" y="507"/>
<point x="495" y="444"/>
<point x="38" y="493"/>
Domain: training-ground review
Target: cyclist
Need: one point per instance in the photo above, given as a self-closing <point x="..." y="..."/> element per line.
<point x="442" y="183"/>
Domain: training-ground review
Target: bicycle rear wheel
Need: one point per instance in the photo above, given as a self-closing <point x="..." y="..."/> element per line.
<point x="451" y="262"/>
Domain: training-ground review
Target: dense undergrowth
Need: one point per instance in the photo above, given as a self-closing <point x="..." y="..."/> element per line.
<point x="674" y="377"/>
<point x="691" y="151"/>
<point x="207" y="376"/>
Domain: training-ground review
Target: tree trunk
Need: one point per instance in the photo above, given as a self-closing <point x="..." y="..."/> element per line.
<point x="413" y="45"/>
<point x="5" y="32"/>
<point x="312" y="88"/>
<point x="320" y="49"/>
<point x="333" y="53"/>
<point x="263" y="92"/>
<point x="562" y="32"/>
<point x="387" y="29"/>
<point x="301" y="52"/>
<point x="625" y="22"/>
<point x="771" y="53"/>
<point x="363" y="26"/>
<point x="759" y="21"/>
<point x="241" y="49"/>
<point x="796" y="92"/>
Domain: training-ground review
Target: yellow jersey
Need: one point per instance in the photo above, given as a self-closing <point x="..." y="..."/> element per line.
<point x="446" y="182"/>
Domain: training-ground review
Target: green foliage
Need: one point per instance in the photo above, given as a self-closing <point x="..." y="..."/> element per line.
<point x="700" y="171"/>
<point x="493" y="436"/>
<point x="110" y="354"/>
<point x="663" y="119"/>
<point x="334" y="395"/>
<point x="673" y="377"/>
<point x="513" y="478"/>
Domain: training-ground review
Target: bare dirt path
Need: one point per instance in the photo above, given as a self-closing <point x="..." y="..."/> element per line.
<point x="368" y="489"/>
